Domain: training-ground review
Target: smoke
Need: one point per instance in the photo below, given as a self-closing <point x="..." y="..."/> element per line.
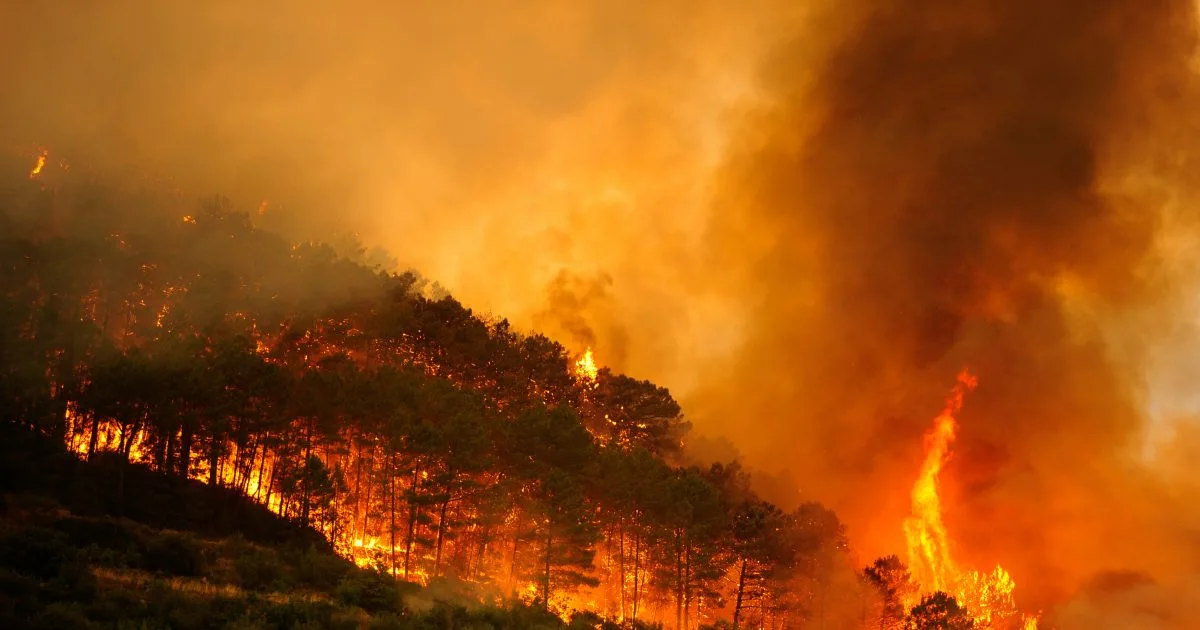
<point x="488" y="145"/>
<point x="985" y="183"/>
<point x="579" y="312"/>
<point x="1131" y="601"/>
<point x="806" y="220"/>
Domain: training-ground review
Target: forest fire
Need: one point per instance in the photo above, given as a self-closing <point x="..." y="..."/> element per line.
<point x="39" y="165"/>
<point x="586" y="368"/>
<point x="987" y="596"/>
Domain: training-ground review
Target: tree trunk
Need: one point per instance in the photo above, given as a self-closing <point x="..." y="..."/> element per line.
<point x="161" y="454"/>
<point x="687" y="583"/>
<point x="392" y="521"/>
<point x="94" y="440"/>
<point x="412" y="521"/>
<point x="124" y="450"/>
<point x="678" y="580"/>
<point x="512" y="567"/>
<point x="741" y="589"/>
<point x="304" y="479"/>
<point x="262" y="465"/>
<point x="621" y="563"/>
<point x="546" y="573"/>
<point x="170" y="466"/>
<point x="214" y="461"/>
<point x="245" y="467"/>
<point x="637" y="570"/>
<point x="354" y="535"/>
<point x="441" y="531"/>
<point x="185" y="448"/>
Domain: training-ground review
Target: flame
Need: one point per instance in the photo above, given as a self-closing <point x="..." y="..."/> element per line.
<point x="187" y="218"/>
<point x="987" y="595"/>
<point x="110" y="436"/>
<point x="41" y="163"/>
<point x="585" y="367"/>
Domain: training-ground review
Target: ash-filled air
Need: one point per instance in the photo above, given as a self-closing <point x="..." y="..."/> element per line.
<point x="804" y="219"/>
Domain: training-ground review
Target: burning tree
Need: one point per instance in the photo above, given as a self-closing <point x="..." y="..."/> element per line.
<point x="415" y="436"/>
<point x="988" y="597"/>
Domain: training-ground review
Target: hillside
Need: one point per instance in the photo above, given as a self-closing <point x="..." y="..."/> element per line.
<point x="205" y="368"/>
<point x="186" y="555"/>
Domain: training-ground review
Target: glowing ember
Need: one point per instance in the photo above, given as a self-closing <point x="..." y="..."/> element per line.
<point x="989" y="596"/>
<point x="41" y="163"/>
<point x="585" y="367"/>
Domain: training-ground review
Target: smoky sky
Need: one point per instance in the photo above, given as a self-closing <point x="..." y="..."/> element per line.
<point x="807" y="217"/>
<point x="977" y="183"/>
<point x="489" y="145"/>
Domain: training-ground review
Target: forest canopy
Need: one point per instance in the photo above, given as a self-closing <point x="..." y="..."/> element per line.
<point x="416" y="436"/>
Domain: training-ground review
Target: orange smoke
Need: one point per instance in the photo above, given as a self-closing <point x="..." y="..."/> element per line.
<point x="988" y="596"/>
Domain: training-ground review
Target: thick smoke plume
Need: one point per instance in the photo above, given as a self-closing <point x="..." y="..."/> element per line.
<point x="936" y="184"/>
<point x="487" y="144"/>
<point x="579" y="313"/>
<point x="913" y="187"/>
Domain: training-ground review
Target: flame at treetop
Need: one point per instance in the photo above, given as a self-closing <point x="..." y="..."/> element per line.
<point x="585" y="367"/>
<point x="41" y="163"/>
<point x="988" y="596"/>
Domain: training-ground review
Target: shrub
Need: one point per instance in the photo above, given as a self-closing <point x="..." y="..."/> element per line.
<point x="389" y="621"/>
<point x="115" y="604"/>
<point x="103" y="533"/>
<point x="58" y="616"/>
<point x="74" y="582"/>
<point x="372" y="591"/>
<point x="174" y="554"/>
<point x="36" y="552"/>
<point x="321" y="571"/>
<point x="18" y="597"/>
<point x="258" y="570"/>
<point x="297" y="614"/>
<point x="585" y="619"/>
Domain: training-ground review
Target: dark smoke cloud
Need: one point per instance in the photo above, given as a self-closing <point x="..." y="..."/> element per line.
<point x="937" y="184"/>
<point x="917" y="186"/>
<point x="579" y="312"/>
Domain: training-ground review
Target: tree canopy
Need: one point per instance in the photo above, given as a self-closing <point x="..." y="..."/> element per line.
<point x="415" y="435"/>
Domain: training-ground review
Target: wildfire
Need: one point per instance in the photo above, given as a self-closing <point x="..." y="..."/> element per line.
<point x="585" y="367"/>
<point x="989" y="596"/>
<point x="41" y="163"/>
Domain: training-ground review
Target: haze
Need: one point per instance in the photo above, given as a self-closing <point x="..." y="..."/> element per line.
<point x="804" y="220"/>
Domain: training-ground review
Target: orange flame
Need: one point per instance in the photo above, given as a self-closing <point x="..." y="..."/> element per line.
<point x="41" y="163"/>
<point x="585" y="367"/>
<point x="928" y="548"/>
<point x="987" y="595"/>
